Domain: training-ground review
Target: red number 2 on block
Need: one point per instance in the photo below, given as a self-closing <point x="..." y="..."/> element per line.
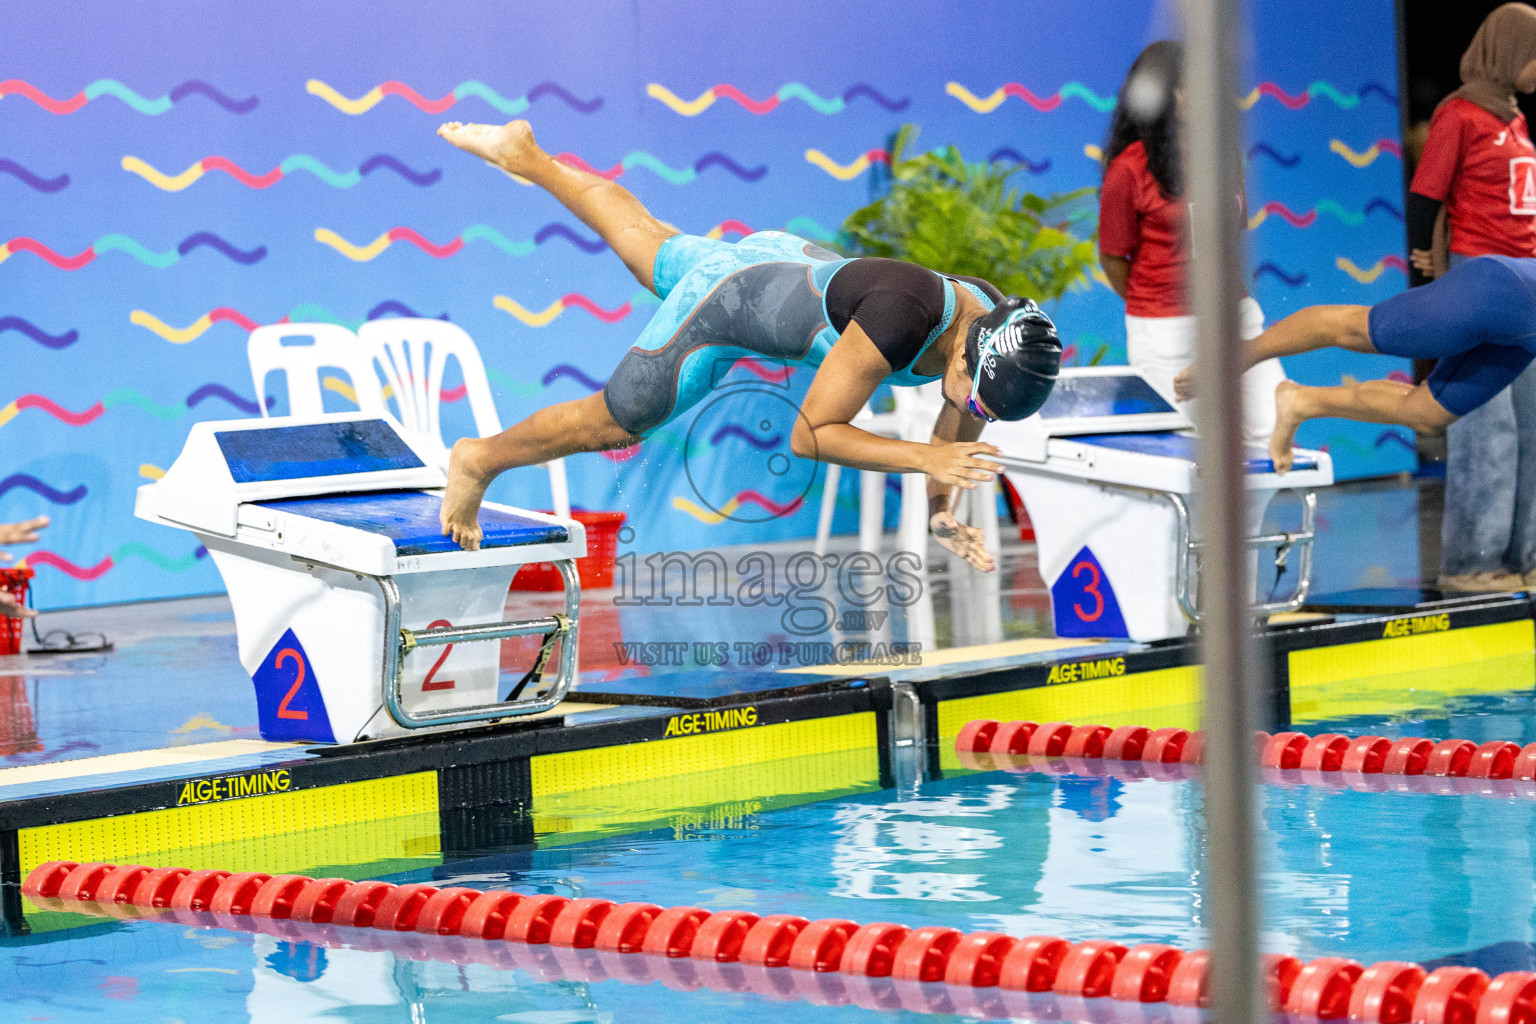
<point x="283" y="711"/>
<point x="441" y="684"/>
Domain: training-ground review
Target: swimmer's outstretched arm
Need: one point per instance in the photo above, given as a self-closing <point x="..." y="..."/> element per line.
<point x="849" y="375"/>
<point x="824" y="430"/>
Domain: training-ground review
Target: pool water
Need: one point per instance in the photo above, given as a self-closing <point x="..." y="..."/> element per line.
<point x="1373" y="876"/>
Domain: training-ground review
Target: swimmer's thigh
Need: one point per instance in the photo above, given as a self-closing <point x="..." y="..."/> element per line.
<point x="679" y="255"/>
<point x="719" y="313"/>
<point x="1468" y="380"/>
<point x="1479" y="300"/>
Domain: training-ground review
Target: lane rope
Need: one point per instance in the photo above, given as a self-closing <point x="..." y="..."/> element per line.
<point x="1373" y="763"/>
<point x="830" y="961"/>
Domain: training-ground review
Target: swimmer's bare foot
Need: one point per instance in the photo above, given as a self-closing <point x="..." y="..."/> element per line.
<point x="509" y="146"/>
<point x="1289" y="415"/>
<point x="466" y="489"/>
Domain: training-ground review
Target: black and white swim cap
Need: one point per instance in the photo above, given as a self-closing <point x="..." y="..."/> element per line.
<point x="1014" y="355"/>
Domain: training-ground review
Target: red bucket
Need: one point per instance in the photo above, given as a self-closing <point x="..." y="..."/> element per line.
<point x="595" y="570"/>
<point x="14" y="583"/>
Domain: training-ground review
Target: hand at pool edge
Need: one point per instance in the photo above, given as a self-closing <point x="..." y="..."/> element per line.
<point x="21" y="533"/>
<point x="1184" y="384"/>
<point x="459" y="516"/>
<point x="10" y="608"/>
<point x="969" y="542"/>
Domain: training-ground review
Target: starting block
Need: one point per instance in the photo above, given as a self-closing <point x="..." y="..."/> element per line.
<point x="356" y="617"/>
<point x="1108" y="473"/>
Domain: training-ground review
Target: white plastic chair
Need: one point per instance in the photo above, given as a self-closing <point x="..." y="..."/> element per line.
<point x="912" y="420"/>
<point x="312" y="348"/>
<point x="413" y="353"/>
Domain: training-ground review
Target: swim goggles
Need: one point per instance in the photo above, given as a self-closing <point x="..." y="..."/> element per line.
<point x="981" y="360"/>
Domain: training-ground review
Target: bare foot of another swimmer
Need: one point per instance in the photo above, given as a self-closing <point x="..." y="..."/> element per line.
<point x="466" y="489"/>
<point x="1288" y="416"/>
<point x="509" y="146"/>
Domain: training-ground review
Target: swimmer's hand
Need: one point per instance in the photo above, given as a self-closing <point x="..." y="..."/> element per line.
<point x="966" y="541"/>
<point x="959" y="464"/>
<point x="1184" y="384"/>
<point x="10" y="609"/>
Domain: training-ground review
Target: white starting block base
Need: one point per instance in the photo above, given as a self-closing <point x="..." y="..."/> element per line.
<point x="308" y="631"/>
<point x="1109" y="479"/>
<point x="356" y="618"/>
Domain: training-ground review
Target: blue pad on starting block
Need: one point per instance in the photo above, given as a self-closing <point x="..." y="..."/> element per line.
<point x="266" y="454"/>
<point x="410" y="519"/>
<point x="1126" y="394"/>
<point x="1172" y="445"/>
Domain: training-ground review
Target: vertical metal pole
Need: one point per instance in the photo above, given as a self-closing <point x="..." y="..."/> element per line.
<point x="1213" y="161"/>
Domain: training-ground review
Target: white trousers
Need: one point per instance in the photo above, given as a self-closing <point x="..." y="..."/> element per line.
<point x="1160" y="347"/>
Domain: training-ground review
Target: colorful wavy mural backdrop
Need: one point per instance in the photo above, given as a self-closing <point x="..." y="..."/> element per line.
<point x="169" y="186"/>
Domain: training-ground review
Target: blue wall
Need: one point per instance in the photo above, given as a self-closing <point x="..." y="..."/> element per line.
<point x="109" y="358"/>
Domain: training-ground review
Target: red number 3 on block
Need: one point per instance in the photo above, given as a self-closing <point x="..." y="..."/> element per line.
<point x="1091" y="587"/>
<point x="283" y="710"/>
<point x="440" y="684"/>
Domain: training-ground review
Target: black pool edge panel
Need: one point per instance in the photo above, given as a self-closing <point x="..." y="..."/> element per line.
<point x="12" y="918"/>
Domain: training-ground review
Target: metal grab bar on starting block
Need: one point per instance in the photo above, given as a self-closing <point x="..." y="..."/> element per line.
<point x="1302" y="540"/>
<point x="559" y="629"/>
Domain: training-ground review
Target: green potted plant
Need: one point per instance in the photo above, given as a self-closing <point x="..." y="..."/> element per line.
<point x="967" y="218"/>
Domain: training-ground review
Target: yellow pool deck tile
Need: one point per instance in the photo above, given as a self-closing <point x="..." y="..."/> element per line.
<point x="137" y="760"/>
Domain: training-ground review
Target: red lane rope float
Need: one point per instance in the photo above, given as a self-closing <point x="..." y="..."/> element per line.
<point x="625" y="928"/>
<point x="1386" y="991"/>
<point x="1326" y="753"/>
<point x="1031" y="965"/>
<point x="820" y="945"/>
<point x="832" y="962"/>
<point x="577" y="923"/>
<point x="770" y="941"/>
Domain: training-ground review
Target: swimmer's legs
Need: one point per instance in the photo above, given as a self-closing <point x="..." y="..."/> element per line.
<point x="1305" y="330"/>
<point x="604" y="206"/>
<point x="1369" y="401"/>
<point x="1315" y="327"/>
<point x="584" y="425"/>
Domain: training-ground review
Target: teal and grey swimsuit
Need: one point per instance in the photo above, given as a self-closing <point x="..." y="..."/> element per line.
<point x="767" y="296"/>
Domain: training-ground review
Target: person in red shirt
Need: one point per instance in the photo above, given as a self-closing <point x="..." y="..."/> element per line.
<point x="1479" y="164"/>
<point x="1144" y="232"/>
